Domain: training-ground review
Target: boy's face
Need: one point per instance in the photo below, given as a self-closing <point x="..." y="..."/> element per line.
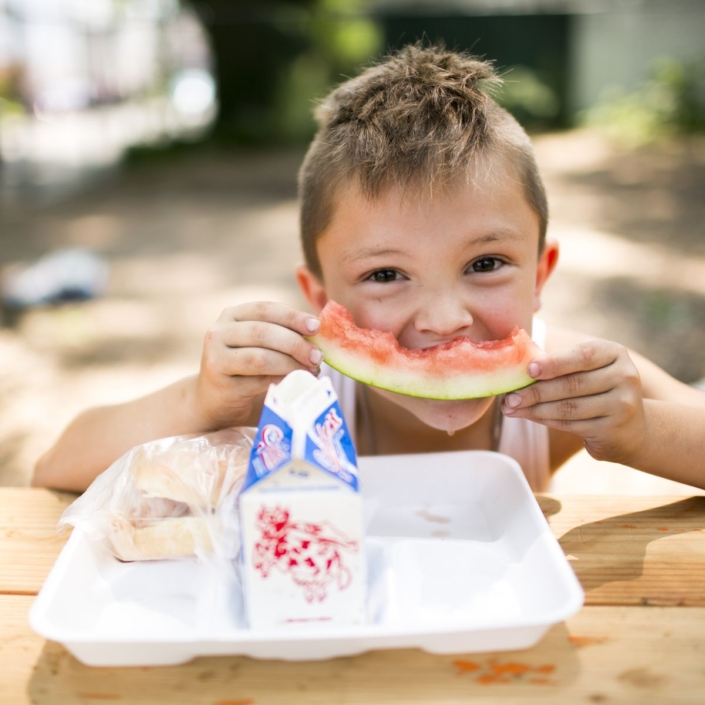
<point x="429" y="270"/>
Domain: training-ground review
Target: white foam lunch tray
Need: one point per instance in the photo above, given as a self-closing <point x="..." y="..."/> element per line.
<point x="459" y="558"/>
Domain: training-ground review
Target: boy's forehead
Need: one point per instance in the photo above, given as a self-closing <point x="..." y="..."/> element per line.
<point x="490" y="183"/>
<point x="487" y="172"/>
<point x="490" y="208"/>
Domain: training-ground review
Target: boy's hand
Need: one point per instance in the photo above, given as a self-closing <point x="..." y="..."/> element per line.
<point x="592" y="390"/>
<point x="249" y="347"/>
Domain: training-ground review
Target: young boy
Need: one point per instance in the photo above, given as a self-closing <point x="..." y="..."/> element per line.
<point x="423" y="213"/>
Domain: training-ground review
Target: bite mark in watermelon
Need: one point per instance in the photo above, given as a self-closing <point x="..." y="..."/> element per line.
<point x="459" y="369"/>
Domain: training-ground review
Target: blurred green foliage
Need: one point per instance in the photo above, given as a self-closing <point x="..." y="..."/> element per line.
<point x="340" y="39"/>
<point x="530" y="99"/>
<point x="670" y="103"/>
<point x="10" y="103"/>
<point x="275" y="59"/>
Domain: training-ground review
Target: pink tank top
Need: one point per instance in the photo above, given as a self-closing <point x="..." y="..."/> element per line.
<point x="523" y="440"/>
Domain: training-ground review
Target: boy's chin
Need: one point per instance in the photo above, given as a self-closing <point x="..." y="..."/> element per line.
<point x="448" y="416"/>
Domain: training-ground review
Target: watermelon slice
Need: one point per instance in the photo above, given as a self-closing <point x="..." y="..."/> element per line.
<point x="459" y="369"/>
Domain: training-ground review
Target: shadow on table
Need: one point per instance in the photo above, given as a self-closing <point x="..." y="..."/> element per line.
<point x="394" y="676"/>
<point x="548" y="505"/>
<point x="608" y="556"/>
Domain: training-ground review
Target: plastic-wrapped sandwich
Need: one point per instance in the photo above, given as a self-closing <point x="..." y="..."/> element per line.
<point x="171" y="498"/>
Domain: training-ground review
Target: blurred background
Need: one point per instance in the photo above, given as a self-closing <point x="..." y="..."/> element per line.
<point x="148" y="158"/>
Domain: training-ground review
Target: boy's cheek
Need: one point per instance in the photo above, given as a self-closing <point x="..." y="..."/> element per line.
<point x="376" y="314"/>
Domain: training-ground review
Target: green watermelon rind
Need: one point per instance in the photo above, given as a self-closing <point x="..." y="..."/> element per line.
<point x="450" y="389"/>
<point x="403" y="379"/>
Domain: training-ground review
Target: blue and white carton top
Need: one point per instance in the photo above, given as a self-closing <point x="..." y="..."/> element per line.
<point x="302" y="430"/>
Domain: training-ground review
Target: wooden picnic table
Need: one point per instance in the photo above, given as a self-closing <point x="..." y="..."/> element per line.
<point x="640" y="638"/>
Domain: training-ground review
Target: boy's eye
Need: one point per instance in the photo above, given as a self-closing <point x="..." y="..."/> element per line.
<point x="383" y="275"/>
<point x="486" y="264"/>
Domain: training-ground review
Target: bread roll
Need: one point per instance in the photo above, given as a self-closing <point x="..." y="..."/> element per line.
<point x="158" y="477"/>
<point x="154" y="539"/>
<point x="184" y="474"/>
<point x="174" y="495"/>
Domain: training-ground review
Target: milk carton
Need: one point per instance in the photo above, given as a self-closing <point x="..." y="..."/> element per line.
<point x="301" y="512"/>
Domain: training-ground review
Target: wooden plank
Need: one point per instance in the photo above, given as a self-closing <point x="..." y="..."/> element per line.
<point x="29" y="542"/>
<point x="633" y="550"/>
<point x="604" y="654"/>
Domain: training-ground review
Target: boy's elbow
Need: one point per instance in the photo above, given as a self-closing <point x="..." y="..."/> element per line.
<point x="48" y="475"/>
<point x="41" y="475"/>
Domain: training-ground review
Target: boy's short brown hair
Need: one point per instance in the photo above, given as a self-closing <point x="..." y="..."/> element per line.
<point x="419" y="119"/>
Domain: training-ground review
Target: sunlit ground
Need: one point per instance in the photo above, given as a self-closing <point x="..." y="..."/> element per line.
<point x="185" y="238"/>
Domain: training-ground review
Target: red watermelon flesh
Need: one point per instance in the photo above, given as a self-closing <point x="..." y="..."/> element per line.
<point x="459" y="369"/>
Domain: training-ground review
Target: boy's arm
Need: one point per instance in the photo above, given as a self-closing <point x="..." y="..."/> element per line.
<point x="249" y="347"/>
<point x="674" y="418"/>
<point x="675" y="445"/>
<point x="98" y="436"/>
<point x="619" y="405"/>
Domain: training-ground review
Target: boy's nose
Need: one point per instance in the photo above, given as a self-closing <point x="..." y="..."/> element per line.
<point x="443" y="316"/>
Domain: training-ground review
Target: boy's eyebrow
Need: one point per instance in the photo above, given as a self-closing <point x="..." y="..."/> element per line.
<point x="498" y="235"/>
<point x="355" y="254"/>
<point x="365" y="252"/>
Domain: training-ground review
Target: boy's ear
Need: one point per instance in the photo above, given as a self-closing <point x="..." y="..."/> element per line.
<point x="311" y="288"/>
<point x="547" y="263"/>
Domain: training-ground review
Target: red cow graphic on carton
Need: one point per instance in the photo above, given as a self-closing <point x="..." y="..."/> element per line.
<point x="311" y="553"/>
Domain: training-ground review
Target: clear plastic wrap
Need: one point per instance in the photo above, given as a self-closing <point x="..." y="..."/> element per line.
<point x="171" y="498"/>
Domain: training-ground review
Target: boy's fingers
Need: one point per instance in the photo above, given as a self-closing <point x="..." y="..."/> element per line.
<point x="578" y="384"/>
<point x="259" y="362"/>
<point x="572" y="409"/>
<point x="259" y="334"/>
<point x="590" y="355"/>
<point x="281" y="314"/>
<point x="252" y="386"/>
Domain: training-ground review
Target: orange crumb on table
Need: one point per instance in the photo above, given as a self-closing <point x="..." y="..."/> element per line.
<point x="494" y="671"/>
<point x="514" y="669"/>
<point x="466" y="666"/>
<point x="581" y="641"/>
